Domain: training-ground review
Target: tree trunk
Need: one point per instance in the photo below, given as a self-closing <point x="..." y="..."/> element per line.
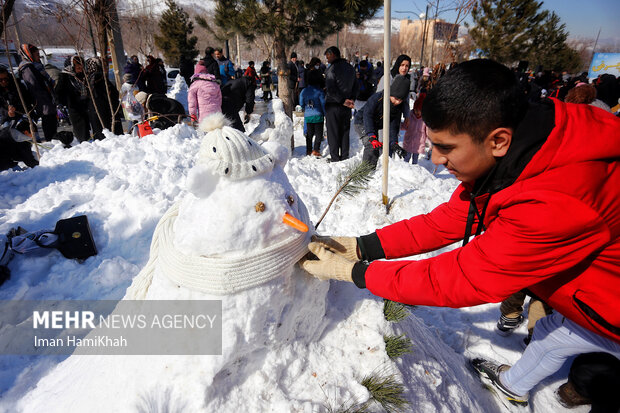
<point x="7" y="9"/>
<point x="284" y="93"/>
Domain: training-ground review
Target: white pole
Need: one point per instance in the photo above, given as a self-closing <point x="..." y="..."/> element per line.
<point x="387" y="27"/>
<point x="238" y="53"/>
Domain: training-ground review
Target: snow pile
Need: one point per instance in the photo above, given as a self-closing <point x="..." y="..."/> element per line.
<point x="291" y="344"/>
<point x="178" y="91"/>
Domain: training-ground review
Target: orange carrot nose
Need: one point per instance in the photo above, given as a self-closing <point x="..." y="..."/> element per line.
<point x="291" y="221"/>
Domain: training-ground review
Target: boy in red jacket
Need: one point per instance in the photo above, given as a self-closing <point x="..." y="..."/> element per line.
<point x="541" y="193"/>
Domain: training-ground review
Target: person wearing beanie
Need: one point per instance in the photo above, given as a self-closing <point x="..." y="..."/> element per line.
<point x="204" y="95"/>
<point x="369" y="120"/>
<point x="40" y="87"/>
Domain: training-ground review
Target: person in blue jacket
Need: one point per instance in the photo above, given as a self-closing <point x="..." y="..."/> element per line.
<point x="369" y="120"/>
<point x="312" y="99"/>
<point x="227" y="69"/>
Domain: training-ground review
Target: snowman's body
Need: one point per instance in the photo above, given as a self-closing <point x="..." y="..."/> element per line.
<point x="215" y="243"/>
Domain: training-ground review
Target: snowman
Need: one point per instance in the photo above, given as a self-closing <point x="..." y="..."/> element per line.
<point x="235" y="236"/>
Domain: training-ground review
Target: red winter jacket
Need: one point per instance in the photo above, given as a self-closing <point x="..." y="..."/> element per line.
<point x="554" y="231"/>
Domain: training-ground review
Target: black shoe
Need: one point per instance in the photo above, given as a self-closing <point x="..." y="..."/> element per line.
<point x="489" y="374"/>
<point x="505" y="325"/>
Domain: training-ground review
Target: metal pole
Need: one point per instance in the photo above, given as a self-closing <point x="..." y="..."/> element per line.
<point x="387" y="34"/>
<point x="595" y="43"/>
<point x="423" y="37"/>
<point x="433" y="41"/>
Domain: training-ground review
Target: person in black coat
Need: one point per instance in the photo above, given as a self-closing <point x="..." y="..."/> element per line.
<point x="155" y="82"/>
<point x="235" y="94"/>
<point x="40" y="86"/>
<point x="211" y="64"/>
<point x="293" y="77"/>
<point x="169" y="111"/>
<point x="15" y="146"/>
<point x="98" y="103"/>
<point x="341" y="90"/>
<point x="134" y="69"/>
<point x="10" y="103"/>
<point x="186" y="69"/>
<point x="72" y="91"/>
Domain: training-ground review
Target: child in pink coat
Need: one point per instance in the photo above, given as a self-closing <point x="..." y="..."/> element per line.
<point x="204" y="96"/>
<point x="415" y="138"/>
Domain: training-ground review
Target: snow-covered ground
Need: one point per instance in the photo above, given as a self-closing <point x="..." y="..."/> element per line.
<point x="125" y="184"/>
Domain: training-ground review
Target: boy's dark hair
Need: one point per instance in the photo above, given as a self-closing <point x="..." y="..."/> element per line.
<point x="251" y="63"/>
<point x="333" y="50"/>
<point x="475" y="97"/>
<point x="3" y="70"/>
<point x="219" y="49"/>
<point x="315" y="78"/>
<point x="209" y="51"/>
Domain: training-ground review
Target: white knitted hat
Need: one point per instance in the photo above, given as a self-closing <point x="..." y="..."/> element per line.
<point x="229" y="152"/>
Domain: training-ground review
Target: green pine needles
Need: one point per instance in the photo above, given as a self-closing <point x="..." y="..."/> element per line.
<point x="396" y="346"/>
<point x="351" y="183"/>
<point x="386" y="390"/>
<point x="175" y="27"/>
<point x="394" y="312"/>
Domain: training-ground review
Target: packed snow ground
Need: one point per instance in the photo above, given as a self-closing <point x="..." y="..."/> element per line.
<point x="125" y="184"/>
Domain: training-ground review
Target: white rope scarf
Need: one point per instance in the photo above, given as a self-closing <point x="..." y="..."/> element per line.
<point x="217" y="276"/>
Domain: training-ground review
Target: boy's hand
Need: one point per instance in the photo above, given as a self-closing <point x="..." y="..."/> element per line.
<point x="344" y="246"/>
<point x="329" y="265"/>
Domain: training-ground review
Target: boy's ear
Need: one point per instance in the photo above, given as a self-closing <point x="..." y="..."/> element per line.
<point x="499" y="140"/>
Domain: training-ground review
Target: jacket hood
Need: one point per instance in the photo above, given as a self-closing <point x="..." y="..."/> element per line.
<point x="27" y="50"/>
<point x="203" y="76"/>
<point x="594" y="136"/>
<point x="397" y="63"/>
<point x="539" y="143"/>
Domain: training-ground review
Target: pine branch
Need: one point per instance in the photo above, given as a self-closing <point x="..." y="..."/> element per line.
<point x="350" y="184"/>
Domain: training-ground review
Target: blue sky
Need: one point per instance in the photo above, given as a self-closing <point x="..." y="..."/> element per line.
<point x="582" y="18"/>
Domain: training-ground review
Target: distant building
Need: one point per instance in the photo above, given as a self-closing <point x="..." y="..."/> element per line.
<point x="438" y="32"/>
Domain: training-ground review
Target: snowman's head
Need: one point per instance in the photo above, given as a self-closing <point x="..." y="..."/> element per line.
<point x="243" y="196"/>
